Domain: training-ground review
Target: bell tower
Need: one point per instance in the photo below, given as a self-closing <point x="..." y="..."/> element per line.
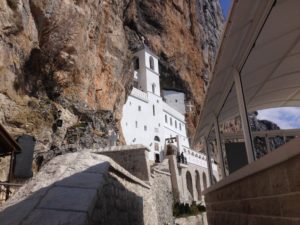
<point x="146" y="71"/>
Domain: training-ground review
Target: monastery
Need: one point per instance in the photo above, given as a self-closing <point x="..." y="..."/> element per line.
<point x="156" y="121"/>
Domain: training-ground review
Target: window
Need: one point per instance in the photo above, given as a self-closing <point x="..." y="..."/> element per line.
<point x="171" y="122"/>
<point x="156" y="138"/>
<point x="145" y="128"/>
<point x="166" y="118"/>
<point x="175" y="124"/>
<point x="153" y="108"/>
<point x="136" y="124"/>
<point x="139" y="108"/>
<point x="153" y="88"/>
<point x="179" y="126"/>
<point x="151" y="61"/>
<point x="136" y="63"/>
<point x="176" y="100"/>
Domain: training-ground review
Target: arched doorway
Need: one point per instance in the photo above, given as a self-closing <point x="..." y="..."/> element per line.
<point x="156" y="148"/>
<point x="198" y="185"/>
<point x="204" y="180"/>
<point x="189" y="184"/>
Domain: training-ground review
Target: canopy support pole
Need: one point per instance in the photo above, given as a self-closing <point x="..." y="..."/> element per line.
<point x="219" y="147"/>
<point x="208" y="158"/>
<point x="244" y="115"/>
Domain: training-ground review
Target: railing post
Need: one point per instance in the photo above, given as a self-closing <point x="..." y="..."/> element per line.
<point x="268" y="144"/>
<point x="208" y="158"/>
<point x="219" y="147"/>
<point x="244" y="116"/>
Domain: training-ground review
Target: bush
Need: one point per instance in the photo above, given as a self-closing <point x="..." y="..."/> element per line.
<point x="182" y="210"/>
<point x="201" y="208"/>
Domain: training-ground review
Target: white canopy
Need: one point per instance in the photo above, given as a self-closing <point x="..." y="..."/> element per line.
<point x="261" y="41"/>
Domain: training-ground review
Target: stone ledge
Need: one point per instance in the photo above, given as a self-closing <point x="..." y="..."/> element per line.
<point x="122" y="148"/>
<point x="162" y="172"/>
<point x="55" y="217"/>
<point x="283" y="153"/>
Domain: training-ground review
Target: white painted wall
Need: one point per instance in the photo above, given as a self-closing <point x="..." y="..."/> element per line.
<point x="175" y="99"/>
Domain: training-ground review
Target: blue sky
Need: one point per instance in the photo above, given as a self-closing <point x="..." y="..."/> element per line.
<point x="285" y="118"/>
<point x="225" y="4"/>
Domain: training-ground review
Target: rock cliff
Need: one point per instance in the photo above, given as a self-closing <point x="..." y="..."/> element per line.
<point x="66" y="69"/>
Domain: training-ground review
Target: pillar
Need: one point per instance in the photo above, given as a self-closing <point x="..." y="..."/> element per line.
<point x="244" y="116"/>
<point x="219" y="147"/>
<point x="208" y="158"/>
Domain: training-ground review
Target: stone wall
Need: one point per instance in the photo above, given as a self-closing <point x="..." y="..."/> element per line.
<point x="269" y="197"/>
<point x="133" y="158"/>
<point x="192" y="220"/>
<point x="122" y="202"/>
<point x="81" y="189"/>
<point x="162" y="193"/>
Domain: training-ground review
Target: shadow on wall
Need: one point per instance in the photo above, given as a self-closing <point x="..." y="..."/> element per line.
<point x="94" y="196"/>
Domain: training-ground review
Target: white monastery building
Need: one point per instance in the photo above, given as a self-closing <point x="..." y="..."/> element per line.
<point x="150" y="119"/>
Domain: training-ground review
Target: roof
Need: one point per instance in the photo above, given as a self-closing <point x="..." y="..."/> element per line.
<point x="261" y="41"/>
<point x="7" y="143"/>
<point x="146" y="48"/>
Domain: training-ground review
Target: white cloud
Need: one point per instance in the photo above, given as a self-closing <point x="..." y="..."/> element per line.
<point x="285" y="118"/>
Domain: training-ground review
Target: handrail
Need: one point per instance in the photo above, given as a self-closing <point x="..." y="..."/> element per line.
<point x="268" y="133"/>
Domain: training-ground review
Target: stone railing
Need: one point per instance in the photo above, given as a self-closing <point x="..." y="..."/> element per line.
<point x="196" y="158"/>
<point x="139" y="94"/>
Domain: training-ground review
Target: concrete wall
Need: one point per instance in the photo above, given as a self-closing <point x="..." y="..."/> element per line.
<point x="269" y="197"/>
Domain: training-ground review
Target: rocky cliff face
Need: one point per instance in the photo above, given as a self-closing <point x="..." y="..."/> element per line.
<point x="66" y="69"/>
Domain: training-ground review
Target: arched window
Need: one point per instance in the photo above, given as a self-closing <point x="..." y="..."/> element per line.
<point x="156" y="138"/>
<point x="198" y="185"/>
<point x="166" y="118"/>
<point x="153" y="109"/>
<point x="153" y="88"/>
<point x="151" y="61"/>
<point x="189" y="185"/>
<point x="136" y="63"/>
<point x="204" y="180"/>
